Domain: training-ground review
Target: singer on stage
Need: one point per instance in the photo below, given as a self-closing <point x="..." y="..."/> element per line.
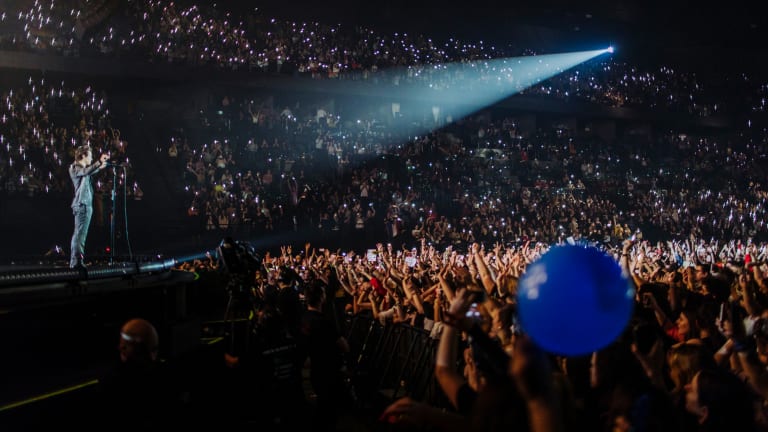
<point x="82" y="204"/>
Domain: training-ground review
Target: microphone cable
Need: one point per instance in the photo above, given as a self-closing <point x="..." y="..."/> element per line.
<point x="125" y="212"/>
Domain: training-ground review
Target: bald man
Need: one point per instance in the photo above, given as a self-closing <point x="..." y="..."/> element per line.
<point x="138" y="341"/>
<point x="139" y="389"/>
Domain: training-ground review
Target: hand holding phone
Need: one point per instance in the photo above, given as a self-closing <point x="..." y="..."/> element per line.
<point x="473" y="313"/>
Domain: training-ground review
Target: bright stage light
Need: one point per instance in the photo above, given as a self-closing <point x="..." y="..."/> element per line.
<point x="609" y="49"/>
<point x="467" y="87"/>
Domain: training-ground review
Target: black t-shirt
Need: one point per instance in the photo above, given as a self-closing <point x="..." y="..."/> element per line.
<point x="319" y="336"/>
<point x="465" y="399"/>
<point x="429" y="310"/>
<point x="148" y="394"/>
<point x="289" y="305"/>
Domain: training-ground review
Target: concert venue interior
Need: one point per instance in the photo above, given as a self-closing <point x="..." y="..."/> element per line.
<point x="338" y="215"/>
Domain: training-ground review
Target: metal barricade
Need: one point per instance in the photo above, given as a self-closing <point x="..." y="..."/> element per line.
<point x="394" y="360"/>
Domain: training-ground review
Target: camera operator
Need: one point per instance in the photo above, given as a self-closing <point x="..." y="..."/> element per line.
<point x="289" y="304"/>
<point x="324" y="348"/>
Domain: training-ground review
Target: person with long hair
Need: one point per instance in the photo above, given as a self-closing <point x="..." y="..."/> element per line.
<point x="720" y="401"/>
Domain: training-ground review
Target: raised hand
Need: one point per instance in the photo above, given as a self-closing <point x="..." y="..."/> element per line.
<point x="531" y="370"/>
<point x="407" y="411"/>
<point x="457" y="310"/>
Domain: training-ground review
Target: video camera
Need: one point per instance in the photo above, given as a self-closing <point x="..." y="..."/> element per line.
<point x="237" y="256"/>
<point x="240" y="261"/>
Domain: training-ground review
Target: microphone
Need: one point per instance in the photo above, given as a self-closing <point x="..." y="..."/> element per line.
<point x="115" y="163"/>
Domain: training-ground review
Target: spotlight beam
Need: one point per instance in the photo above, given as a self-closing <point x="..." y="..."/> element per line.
<point x="465" y="88"/>
<point x="459" y="89"/>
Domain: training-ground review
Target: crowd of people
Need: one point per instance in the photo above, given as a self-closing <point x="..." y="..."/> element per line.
<point x="271" y="145"/>
<point x="415" y="228"/>
<point x="41" y="124"/>
<point x="477" y="179"/>
<point x="691" y="357"/>
<point x="211" y="36"/>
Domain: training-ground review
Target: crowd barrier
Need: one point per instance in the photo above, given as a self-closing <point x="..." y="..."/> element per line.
<point x="394" y="360"/>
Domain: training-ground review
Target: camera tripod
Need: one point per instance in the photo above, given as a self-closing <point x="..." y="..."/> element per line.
<point x="239" y="308"/>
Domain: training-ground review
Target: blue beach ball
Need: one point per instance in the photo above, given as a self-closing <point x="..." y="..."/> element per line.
<point x="574" y="300"/>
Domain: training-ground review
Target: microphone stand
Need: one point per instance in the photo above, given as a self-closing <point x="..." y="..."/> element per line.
<point x="112" y="216"/>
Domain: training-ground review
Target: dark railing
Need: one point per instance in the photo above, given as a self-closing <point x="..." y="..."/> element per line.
<point x="393" y="360"/>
